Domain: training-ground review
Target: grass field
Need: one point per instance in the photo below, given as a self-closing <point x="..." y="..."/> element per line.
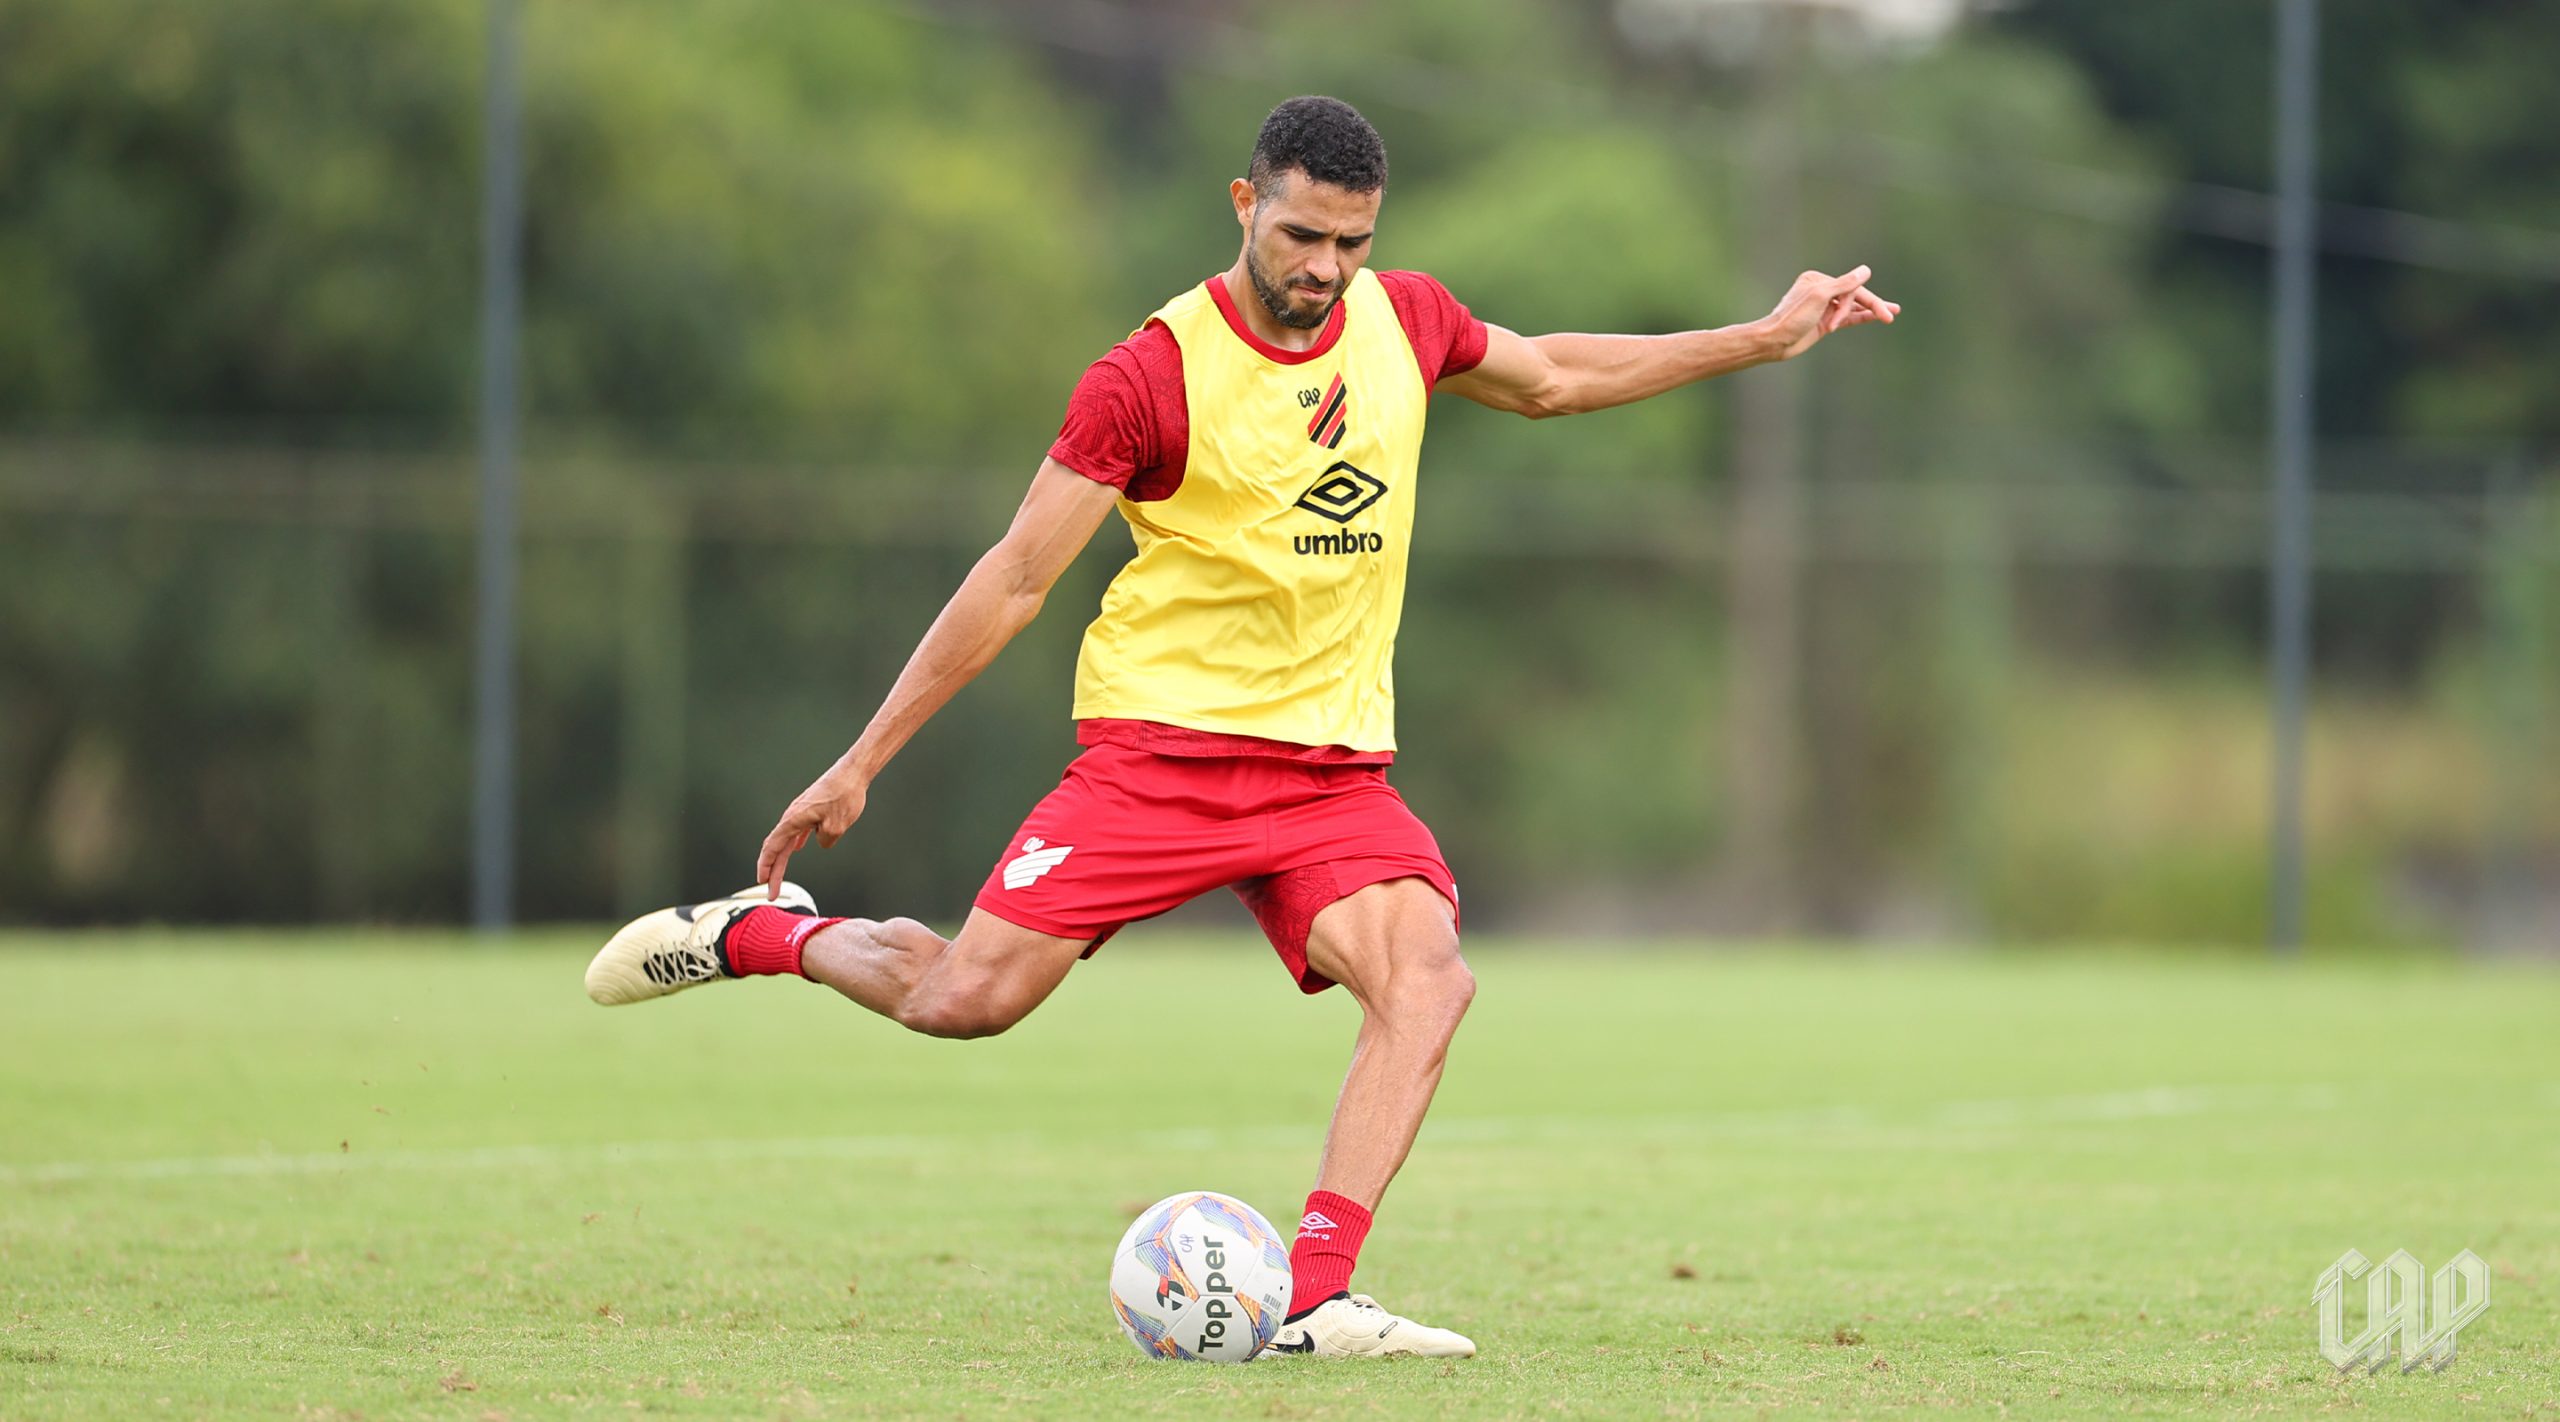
<point x="396" y="1177"/>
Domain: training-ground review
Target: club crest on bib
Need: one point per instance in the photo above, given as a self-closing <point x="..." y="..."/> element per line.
<point x="1332" y="417"/>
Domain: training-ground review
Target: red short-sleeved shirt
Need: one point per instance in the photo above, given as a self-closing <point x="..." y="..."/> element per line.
<point x="1129" y="426"/>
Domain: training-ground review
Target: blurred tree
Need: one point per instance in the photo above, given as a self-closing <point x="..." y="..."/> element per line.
<point x="2443" y="110"/>
<point x="820" y="229"/>
<point x="225" y="213"/>
<point x="753" y="227"/>
<point x="2480" y="141"/>
<point x="750" y="223"/>
<point x="809" y="285"/>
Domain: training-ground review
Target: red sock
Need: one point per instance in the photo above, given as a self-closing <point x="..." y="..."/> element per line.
<point x="767" y="939"/>
<point x="1327" y="1247"/>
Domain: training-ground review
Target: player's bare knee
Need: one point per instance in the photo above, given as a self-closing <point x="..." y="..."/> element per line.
<point x="1448" y="986"/>
<point x="1460" y="986"/>
<point x="1430" y="985"/>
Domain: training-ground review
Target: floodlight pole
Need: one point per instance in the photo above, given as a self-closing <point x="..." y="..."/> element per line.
<point x="2297" y="107"/>
<point x="494" y="709"/>
<point x="1761" y="879"/>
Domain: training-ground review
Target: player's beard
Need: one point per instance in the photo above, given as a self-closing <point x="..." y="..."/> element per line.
<point x="1275" y="298"/>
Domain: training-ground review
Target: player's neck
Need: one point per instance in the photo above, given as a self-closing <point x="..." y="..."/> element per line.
<point x="1258" y="319"/>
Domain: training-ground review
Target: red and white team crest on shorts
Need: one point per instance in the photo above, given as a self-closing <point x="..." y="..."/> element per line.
<point x="1036" y="860"/>
<point x="1129" y="834"/>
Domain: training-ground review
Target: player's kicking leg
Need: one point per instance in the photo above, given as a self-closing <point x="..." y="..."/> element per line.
<point x="1394" y="947"/>
<point x="975" y="985"/>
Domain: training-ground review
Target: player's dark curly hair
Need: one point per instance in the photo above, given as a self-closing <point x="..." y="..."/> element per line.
<point x="1326" y="139"/>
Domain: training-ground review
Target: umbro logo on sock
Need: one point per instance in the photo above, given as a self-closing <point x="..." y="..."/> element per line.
<point x="799" y="932"/>
<point x="1033" y="862"/>
<point x="1317" y="1226"/>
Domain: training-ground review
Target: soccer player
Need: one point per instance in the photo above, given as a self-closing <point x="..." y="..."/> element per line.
<point x="1261" y="434"/>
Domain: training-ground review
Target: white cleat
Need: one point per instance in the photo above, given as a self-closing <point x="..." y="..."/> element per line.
<point x="676" y="948"/>
<point x="1353" y="1326"/>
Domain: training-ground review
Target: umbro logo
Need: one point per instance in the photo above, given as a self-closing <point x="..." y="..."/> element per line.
<point x="1317" y="1226"/>
<point x="1342" y="492"/>
<point x="1033" y="862"/>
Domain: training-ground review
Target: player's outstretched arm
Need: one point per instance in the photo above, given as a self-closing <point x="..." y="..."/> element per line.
<point x="1569" y="373"/>
<point x="998" y="599"/>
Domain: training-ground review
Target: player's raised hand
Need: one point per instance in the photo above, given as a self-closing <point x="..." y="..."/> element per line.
<point x="826" y="810"/>
<point x="1818" y="305"/>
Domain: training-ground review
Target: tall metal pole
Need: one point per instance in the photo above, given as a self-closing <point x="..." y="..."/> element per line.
<point x="2297" y="70"/>
<point x="1763" y="732"/>
<point x="493" y="768"/>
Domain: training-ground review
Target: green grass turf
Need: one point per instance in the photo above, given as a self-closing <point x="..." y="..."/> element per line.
<point x="396" y="1177"/>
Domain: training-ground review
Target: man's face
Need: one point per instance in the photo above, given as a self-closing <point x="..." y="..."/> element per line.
<point x="1303" y="244"/>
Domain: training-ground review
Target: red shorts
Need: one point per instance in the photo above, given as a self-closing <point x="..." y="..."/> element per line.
<point x="1128" y="835"/>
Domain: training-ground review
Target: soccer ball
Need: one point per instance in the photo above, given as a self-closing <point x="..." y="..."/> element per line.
<point x="1200" y="1277"/>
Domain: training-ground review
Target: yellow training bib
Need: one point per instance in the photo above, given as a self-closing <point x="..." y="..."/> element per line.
<point x="1266" y="590"/>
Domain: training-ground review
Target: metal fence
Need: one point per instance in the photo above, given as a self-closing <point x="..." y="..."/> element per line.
<point x="2023" y="700"/>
